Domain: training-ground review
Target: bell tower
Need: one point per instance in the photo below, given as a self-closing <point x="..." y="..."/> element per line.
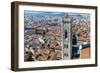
<point x="66" y="28"/>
